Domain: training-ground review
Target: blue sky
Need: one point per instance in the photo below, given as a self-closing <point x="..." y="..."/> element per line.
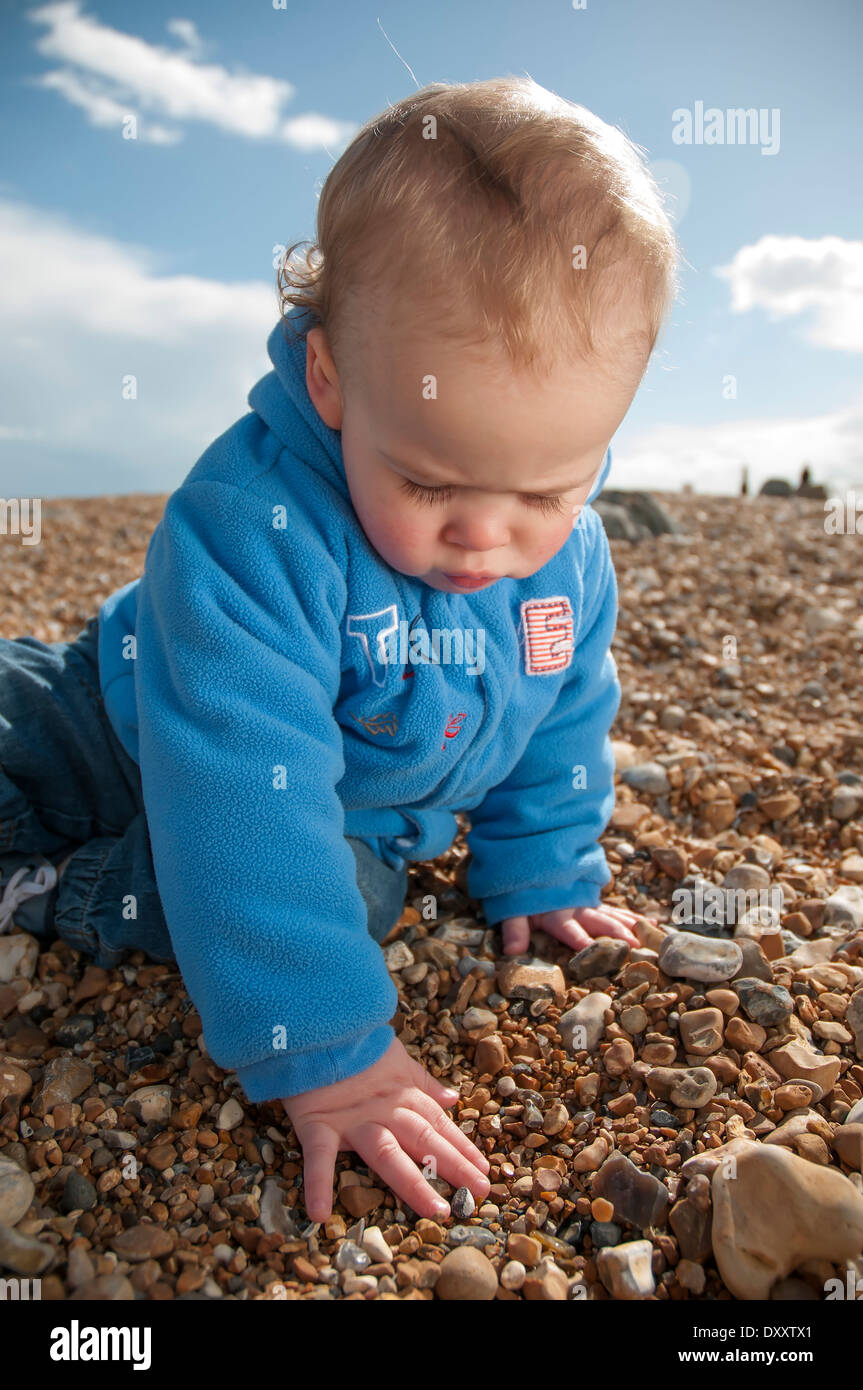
<point x="153" y="257"/>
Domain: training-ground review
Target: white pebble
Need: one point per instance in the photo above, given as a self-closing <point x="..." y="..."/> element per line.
<point x="375" y="1245"/>
<point x="230" y="1115"/>
<point x="513" y="1275"/>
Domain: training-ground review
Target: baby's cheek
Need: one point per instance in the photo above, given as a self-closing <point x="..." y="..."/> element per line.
<point x="402" y="535"/>
<point x="548" y="541"/>
<point x="407" y="524"/>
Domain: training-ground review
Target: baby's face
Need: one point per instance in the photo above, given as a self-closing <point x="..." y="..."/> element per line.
<point x="462" y="471"/>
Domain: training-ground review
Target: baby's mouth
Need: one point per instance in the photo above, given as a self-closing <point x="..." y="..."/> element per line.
<point x="470" y="581"/>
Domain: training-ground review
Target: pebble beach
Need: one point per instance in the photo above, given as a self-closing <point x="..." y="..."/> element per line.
<point x="682" y="1121"/>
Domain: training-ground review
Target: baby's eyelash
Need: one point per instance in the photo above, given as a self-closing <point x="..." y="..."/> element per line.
<point x="437" y="495"/>
<point x="427" y="494"/>
<point x="545" y="504"/>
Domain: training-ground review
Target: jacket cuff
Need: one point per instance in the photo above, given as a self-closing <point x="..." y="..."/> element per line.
<point x="529" y="900"/>
<point x="290" y="1074"/>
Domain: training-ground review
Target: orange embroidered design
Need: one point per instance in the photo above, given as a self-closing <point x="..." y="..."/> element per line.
<point x="378" y="723"/>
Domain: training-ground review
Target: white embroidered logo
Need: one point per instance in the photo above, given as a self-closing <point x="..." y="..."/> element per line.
<point x="377" y="626"/>
<point x="547" y="624"/>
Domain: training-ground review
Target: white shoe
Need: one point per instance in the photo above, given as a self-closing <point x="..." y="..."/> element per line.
<point x="25" y="877"/>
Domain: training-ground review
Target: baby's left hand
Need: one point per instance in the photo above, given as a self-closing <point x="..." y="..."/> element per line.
<point x="575" y="927"/>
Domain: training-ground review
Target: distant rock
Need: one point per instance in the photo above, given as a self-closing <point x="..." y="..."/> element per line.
<point x="618" y="526"/>
<point x="779" y="487"/>
<point x="633" y="516"/>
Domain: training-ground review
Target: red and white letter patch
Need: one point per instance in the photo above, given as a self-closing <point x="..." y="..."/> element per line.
<point x="548" y="635"/>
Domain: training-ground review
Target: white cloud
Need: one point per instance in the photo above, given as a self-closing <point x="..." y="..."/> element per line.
<point x="789" y="276"/>
<point x="186" y="31"/>
<point x="80" y="313"/>
<point x="101" y="109"/>
<point x="313" y="132"/>
<point x="711" y="457"/>
<point x="20" y="432"/>
<point x="104" y="66"/>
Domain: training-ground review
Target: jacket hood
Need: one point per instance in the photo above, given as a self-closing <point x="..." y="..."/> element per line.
<point x="601" y="479"/>
<point x="282" y="401"/>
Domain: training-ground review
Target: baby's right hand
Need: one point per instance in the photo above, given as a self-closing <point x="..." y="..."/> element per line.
<point x="390" y="1114"/>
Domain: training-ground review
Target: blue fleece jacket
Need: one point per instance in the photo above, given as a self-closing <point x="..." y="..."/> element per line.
<point x="282" y="687"/>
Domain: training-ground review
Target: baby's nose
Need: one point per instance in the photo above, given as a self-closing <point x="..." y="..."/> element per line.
<point x="477" y="533"/>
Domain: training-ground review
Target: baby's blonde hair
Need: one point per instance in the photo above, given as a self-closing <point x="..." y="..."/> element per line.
<point x="465" y="204"/>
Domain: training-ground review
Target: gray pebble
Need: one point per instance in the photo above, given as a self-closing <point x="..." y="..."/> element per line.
<point x="79" y="1194"/>
<point x="605" y="1233"/>
<point x="462" y="1205"/>
<point x="471" y="1235"/>
<point x="75" y="1029"/>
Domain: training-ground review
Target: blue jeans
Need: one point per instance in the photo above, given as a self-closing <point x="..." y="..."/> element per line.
<point x="67" y="785"/>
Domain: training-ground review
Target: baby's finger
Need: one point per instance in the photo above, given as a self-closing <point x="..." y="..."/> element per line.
<point x="380" y="1149"/>
<point x="571" y="934"/>
<point x="424" y="1141"/>
<point x="444" y="1096"/>
<point x="425" y="1106"/>
<point x="599" y="923"/>
<point x="516" y="935"/>
<point x="320" y="1146"/>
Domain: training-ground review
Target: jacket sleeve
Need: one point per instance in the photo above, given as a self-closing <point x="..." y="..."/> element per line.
<point x="236" y="676"/>
<point x="534" y="839"/>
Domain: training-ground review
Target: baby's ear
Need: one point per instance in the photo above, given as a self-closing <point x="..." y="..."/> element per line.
<point x="322" y="379"/>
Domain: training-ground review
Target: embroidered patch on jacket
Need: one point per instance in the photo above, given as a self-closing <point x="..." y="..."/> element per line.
<point x="548" y="635"/>
<point x="375" y="631"/>
<point x="453" y="726"/>
<point x="378" y="723"/>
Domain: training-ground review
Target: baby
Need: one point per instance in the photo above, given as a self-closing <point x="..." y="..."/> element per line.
<point x="379" y="598"/>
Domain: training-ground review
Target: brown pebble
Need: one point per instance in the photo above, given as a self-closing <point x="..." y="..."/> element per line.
<point x="110" y="1288"/>
<point x="191" y="1279"/>
<point x="162" y="1156"/>
<point x="429" y="1232"/>
<point x="724" y="999"/>
<point x="490" y="1055"/>
<point x="813" y="1148"/>
<point x="359" y="1201"/>
<point x="848" y="1143"/>
<point x="466" y="1275"/>
<point x="524" y="1249"/>
<point x="144" y="1242"/>
<point x="791" y="1097"/>
<point x="701" y="1031"/>
<point x="14" y="1081"/>
<point x="744" y="1036"/>
<point x="548" y="1283"/>
<point x="92" y="983"/>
